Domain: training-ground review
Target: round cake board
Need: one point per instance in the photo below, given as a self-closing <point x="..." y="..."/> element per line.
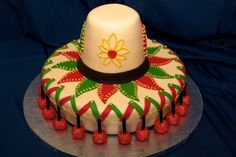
<point x="158" y="144"/>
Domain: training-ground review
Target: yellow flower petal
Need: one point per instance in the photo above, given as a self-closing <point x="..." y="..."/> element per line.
<point x="119" y="44"/>
<point x="102" y="48"/>
<point x="122" y="51"/>
<point x="107" y="61"/>
<point x="103" y="55"/>
<point x="112" y="40"/>
<point x="120" y="57"/>
<point x="105" y="44"/>
<point x="116" y="62"/>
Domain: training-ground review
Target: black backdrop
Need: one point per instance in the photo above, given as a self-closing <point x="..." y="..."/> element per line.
<point x="202" y="32"/>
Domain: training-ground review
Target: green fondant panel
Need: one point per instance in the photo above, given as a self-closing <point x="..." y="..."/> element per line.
<point x="152" y="51"/>
<point x="175" y="86"/>
<point x="154" y="102"/>
<point x="58" y="93"/>
<point x="129" y="90"/>
<point x="136" y="107"/>
<point x="85" y="86"/>
<point x="66" y="65"/>
<point x="44" y="72"/>
<point x="49" y="82"/>
<point x="76" y="44"/>
<point x="168" y="95"/>
<point x="73" y="103"/>
<point x="47" y="63"/>
<point x="116" y="110"/>
<point x="158" y="72"/>
<point x="180" y="76"/>
<point x="94" y="109"/>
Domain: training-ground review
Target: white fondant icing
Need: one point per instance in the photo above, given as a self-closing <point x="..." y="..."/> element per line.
<point x="112" y="124"/>
<point x="122" y="24"/>
<point x="125" y="23"/>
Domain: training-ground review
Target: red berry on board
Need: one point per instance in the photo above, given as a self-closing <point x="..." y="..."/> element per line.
<point x="142" y="135"/>
<point x="99" y="138"/>
<point x="173" y="119"/>
<point x="124" y="138"/>
<point x="186" y="100"/>
<point x="49" y="113"/>
<point x="41" y="103"/>
<point x="59" y="125"/>
<point x="161" y="127"/>
<point x="181" y="109"/>
<point x="78" y="133"/>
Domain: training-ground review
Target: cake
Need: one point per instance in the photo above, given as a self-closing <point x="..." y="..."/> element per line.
<point x="113" y="80"/>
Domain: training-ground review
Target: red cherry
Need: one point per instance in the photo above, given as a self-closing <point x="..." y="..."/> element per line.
<point x="59" y="125"/>
<point x="124" y="138"/>
<point x="78" y="133"/>
<point x="186" y="100"/>
<point x="181" y="109"/>
<point x="161" y="127"/>
<point x="99" y="138"/>
<point x="41" y="103"/>
<point x="173" y="119"/>
<point x="49" y="114"/>
<point x="142" y="135"/>
<point x="112" y="54"/>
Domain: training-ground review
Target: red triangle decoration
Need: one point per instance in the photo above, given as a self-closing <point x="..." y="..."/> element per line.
<point x="71" y="55"/>
<point x="105" y="91"/>
<point x="159" y="61"/>
<point x="73" y="76"/>
<point x="148" y="82"/>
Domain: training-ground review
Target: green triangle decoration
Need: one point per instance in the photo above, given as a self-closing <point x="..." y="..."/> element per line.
<point x="76" y="44"/>
<point x="158" y="72"/>
<point x="85" y="86"/>
<point x="44" y="72"/>
<point x="129" y="90"/>
<point x="81" y="41"/>
<point x="66" y="65"/>
<point x="47" y="62"/>
<point x="152" y="51"/>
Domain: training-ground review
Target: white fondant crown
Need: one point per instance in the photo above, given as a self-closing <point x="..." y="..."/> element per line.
<point x="113" y="39"/>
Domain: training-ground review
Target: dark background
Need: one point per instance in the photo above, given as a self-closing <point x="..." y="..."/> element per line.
<point x="202" y="32"/>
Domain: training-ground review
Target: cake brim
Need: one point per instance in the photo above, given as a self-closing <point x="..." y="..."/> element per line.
<point x="93" y="112"/>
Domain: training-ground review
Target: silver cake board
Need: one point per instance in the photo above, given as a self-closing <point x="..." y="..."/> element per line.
<point x="157" y="144"/>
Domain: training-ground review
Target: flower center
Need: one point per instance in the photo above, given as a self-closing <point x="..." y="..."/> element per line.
<point x="112" y="54"/>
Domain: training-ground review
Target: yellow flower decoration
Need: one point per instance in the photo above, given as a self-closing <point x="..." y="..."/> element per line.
<point x="112" y="50"/>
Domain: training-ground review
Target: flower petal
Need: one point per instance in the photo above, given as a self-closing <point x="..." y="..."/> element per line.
<point x="103" y="55"/>
<point x="112" y="40"/>
<point x="121" y="57"/>
<point x="116" y="62"/>
<point x="122" y="51"/>
<point x="105" y="44"/>
<point x="107" y="61"/>
<point x="119" y="45"/>
<point x="102" y="48"/>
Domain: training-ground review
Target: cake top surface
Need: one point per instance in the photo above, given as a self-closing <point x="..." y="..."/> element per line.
<point x="114" y="39"/>
<point x="111" y="13"/>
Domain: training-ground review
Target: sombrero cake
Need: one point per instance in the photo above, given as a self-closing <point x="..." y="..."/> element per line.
<point x="113" y="80"/>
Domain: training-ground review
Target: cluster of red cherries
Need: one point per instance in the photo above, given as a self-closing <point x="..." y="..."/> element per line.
<point x="142" y="133"/>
